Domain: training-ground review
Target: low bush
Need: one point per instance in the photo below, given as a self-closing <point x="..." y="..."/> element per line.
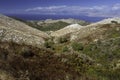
<point x="49" y="44"/>
<point x="65" y="49"/>
<point x="44" y="65"/>
<point x="62" y="40"/>
<point x="115" y="22"/>
<point x="77" y="46"/>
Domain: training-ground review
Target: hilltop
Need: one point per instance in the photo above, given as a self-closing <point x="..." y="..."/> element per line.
<point x="94" y="31"/>
<point x="66" y="30"/>
<point x="105" y="29"/>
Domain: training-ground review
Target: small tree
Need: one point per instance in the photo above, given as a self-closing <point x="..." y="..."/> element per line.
<point x="114" y="22"/>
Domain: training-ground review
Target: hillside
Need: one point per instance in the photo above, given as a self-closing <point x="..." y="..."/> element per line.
<point x="53" y="25"/>
<point x="74" y="52"/>
<point x="101" y="30"/>
<point x="69" y="21"/>
<point x="100" y="41"/>
<point x="23" y="62"/>
<point x="66" y="30"/>
<point x="16" y="31"/>
<point x="94" y="31"/>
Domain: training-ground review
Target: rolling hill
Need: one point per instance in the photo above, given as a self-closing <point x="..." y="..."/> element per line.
<point x="16" y="31"/>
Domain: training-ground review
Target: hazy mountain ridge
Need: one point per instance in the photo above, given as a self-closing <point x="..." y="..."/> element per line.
<point x="70" y="21"/>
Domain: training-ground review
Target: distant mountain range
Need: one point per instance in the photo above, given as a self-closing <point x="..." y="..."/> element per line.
<point x="44" y="17"/>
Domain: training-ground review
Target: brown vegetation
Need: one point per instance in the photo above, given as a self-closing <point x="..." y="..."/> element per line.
<point x="31" y="63"/>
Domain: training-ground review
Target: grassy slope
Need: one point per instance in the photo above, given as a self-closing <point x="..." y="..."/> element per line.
<point x="106" y="55"/>
<point x="104" y="52"/>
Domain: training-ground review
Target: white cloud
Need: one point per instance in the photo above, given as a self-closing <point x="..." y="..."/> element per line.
<point x="116" y="6"/>
<point x="99" y="11"/>
<point x="46" y="8"/>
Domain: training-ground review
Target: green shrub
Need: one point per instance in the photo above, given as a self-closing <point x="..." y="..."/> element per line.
<point x="26" y="53"/>
<point x="49" y="44"/>
<point x="115" y="22"/>
<point x="62" y="40"/>
<point x="65" y="49"/>
<point x="77" y="46"/>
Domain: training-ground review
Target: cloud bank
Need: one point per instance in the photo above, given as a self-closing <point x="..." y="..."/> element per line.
<point x="92" y="11"/>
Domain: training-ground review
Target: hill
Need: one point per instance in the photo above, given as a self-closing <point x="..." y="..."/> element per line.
<point x="108" y="28"/>
<point x="66" y="30"/>
<point x="99" y="41"/>
<point x="16" y="31"/>
<point x="53" y="25"/>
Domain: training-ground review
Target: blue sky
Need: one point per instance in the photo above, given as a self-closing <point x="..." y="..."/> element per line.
<point x="93" y="8"/>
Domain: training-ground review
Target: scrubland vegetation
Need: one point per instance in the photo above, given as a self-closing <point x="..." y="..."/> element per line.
<point x="31" y="63"/>
<point x="103" y="53"/>
<point x="94" y="57"/>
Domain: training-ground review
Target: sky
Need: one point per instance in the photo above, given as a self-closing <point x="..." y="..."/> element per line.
<point x="92" y="8"/>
